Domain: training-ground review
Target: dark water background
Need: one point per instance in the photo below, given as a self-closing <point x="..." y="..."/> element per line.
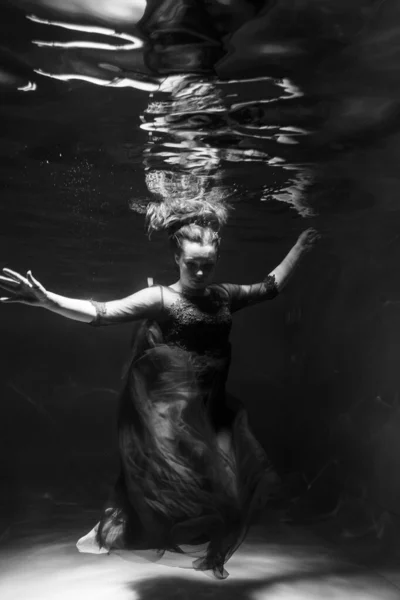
<point x="318" y="368"/>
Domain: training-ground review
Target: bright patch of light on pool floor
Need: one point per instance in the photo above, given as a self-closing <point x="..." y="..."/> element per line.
<point x="48" y="566"/>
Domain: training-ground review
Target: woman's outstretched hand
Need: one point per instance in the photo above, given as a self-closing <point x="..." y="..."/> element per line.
<point x="308" y="238"/>
<point x="26" y="290"/>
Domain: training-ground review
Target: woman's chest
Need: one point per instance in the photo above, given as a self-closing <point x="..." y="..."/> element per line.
<point x="197" y="324"/>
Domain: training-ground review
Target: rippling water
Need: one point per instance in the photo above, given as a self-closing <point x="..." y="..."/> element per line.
<point x="287" y="109"/>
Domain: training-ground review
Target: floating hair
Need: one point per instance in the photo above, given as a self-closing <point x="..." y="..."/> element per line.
<point x="171" y="216"/>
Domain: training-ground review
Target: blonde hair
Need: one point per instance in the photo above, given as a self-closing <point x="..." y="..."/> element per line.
<point x="194" y="220"/>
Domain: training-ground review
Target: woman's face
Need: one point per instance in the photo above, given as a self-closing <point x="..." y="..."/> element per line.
<point x="196" y="264"/>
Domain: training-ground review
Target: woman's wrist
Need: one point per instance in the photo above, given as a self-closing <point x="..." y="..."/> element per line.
<point x="301" y="247"/>
<point x="48" y="301"/>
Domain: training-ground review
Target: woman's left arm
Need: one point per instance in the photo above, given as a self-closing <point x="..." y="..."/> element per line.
<point x="287" y="267"/>
<point x="241" y="296"/>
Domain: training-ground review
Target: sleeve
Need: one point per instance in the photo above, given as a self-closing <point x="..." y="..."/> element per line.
<point x="145" y="304"/>
<point x="241" y="296"/>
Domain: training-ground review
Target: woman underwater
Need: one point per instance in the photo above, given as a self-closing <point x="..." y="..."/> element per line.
<point x="193" y="478"/>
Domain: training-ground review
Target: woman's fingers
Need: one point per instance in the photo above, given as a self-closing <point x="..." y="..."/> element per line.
<point x="15" y="276"/>
<point x="33" y="281"/>
<point x="9" y="282"/>
<point x="11" y="273"/>
<point x="22" y="289"/>
<point x="7" y="300"/>
<point x="9" y="285"/>
<point x="9" y="288"/>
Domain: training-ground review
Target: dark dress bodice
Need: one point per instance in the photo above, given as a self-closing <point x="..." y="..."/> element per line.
<point x="200" y="324"/>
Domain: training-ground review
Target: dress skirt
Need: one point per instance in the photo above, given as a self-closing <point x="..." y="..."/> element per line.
<point x="193" y="478"/>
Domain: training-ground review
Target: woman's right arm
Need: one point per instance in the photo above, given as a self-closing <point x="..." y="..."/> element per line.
<point x="146" y="303"/>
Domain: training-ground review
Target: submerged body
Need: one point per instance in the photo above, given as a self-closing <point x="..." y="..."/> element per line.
<point x="193" y="477"/>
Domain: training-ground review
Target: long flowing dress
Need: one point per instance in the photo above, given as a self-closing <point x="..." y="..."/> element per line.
<point x="193" y="477"/>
